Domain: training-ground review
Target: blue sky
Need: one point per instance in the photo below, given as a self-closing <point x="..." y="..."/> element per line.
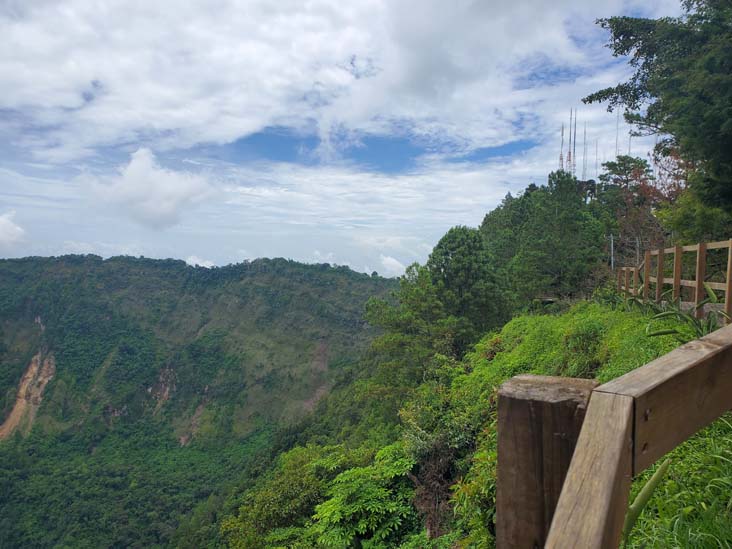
<point x="353" y="133"/>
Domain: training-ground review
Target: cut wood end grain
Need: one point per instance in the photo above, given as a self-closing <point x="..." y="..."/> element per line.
<point x="547" y="388"/>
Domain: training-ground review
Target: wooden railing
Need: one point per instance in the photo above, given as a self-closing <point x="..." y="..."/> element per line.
<point x="565" y="466"/>
<point x="630" y="278"/>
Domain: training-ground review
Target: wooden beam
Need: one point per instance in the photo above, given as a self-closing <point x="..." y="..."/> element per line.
<point x="539" y="421"/>
<point x="636" y="291"/>
<point x="728" y="290"/>
<point x="722" y="244"/>
<point x="659" y="278"/>
<point x="690" y="248"/>
<point x="701" y="273"/>
<point x="677" y="394"/>
<point x="620" y="284"/>
<point x="627" y="282"/>
<point x="647" y="275"/>
<point x="594" y="499"/>
<point x="678" y="253"/>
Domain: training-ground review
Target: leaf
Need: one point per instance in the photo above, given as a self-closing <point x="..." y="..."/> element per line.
<point x="643" y="497"/>
<point x="711" y="293"/>
<point x="657" y="333"/>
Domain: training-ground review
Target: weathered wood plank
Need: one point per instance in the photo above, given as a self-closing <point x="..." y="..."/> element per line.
<point x="717" y="285"/>
<point x="627" y="283"/>
<point x="690" y="248"/>
<point x="659" y="277"/>
<point x="687" y="283"/>
<point x="678" y="253"/>
<point x="716" y="245"/>
<point x="539" y="421"/>
<point x="594" y="498"/>
<point x="677" y="394"/>
<point x="701" y="272"/>
<point x="647" y="275"/>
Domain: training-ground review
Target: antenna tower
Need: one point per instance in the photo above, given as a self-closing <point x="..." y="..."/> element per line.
<point x="574" y="145"/>
<point x="584" y="154"/>
<point x="561" y="151"/>
<point x="569" y="148"/>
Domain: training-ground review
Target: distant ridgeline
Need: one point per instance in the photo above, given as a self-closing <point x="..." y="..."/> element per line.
<point x="130" y="388"/>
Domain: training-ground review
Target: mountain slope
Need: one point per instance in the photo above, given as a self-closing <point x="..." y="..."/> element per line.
<point x="132" y="388"/>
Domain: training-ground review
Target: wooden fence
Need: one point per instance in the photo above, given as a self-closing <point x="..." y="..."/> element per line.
<point x="568" y="449"/>
<point x="629" y="279"/>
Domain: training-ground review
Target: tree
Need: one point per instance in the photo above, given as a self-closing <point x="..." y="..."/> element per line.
<point x="548" y="239"/>
<point x="628" y="189"/>
<point x="681" y="88"/>
<point x="464" y="276"/>
<point x="690" y="221"/>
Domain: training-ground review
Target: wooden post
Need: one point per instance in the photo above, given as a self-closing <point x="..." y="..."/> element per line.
<point x="635" y="282"/>
<point x="647" y="275"/>
<point x="728" y="289"/>
<point x="701" y="273"/>
<point x="627" y="281"/>
<point x="678" y="252"/>
<point x="620" y="282"/>
<point x="539" y="421"/>
<point x="594" y="499"/>
<point x="659" y="276"/>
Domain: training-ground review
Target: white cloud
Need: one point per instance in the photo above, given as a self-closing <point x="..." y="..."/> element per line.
<point x="10" y="232"/>
<point x="196" y="261"/>
<point x="169" y="75"/>
<point x="83" y="84"/>
<point x="151" y="195"/>
<point x="392" y="266"/>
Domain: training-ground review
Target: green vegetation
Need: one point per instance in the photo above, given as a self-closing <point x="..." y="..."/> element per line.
<point x="433" y="483"/>
<point x="272" y="404"/>
<point x="172" y="384"/>
<point x="681" y="88"/>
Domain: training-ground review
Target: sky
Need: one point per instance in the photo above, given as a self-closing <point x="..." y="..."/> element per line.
<point x="353" y="133"/>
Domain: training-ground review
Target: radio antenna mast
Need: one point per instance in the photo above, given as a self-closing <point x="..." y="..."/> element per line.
<point x="584" y="154"/>
<point x="561" y="151"/>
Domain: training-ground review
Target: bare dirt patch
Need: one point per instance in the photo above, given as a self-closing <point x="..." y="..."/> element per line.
<point x="30" y="394"/>
<point x="194" y="425"/>
<point x="319" y="367"/>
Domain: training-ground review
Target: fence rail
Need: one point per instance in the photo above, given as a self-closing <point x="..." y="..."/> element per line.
<point x="629" y="278"/>
<point x="612" y="432"/>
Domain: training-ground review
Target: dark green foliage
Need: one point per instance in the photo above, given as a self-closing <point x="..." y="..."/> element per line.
<point x="172" y="386"/>
<point x="548" y="239"/>
<point x="691" y="221"/>
<point x="464" y="275"/>
<point x="681" y="87"/>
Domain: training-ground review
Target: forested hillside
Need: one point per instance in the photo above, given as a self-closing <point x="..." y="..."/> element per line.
<point x="164" y="382"/>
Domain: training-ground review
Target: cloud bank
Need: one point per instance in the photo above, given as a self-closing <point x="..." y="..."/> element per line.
<point x="10" y="232"/>
<point x="153" y="196"/>
<point x="124" y="124"/>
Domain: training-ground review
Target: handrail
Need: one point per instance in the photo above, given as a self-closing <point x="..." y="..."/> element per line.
<point x="630" y="423"/>
<point x="625" y="287"/>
